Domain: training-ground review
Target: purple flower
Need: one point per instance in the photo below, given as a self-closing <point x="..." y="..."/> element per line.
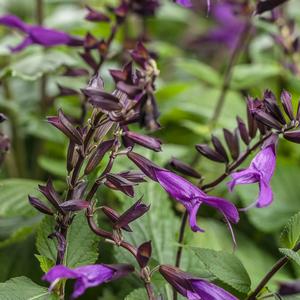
<point x="86" y="276"/>
<point x="185" y="3"/>
<point x="38" y="35"/>
<point x="261" y="170"/>
<point x="191" y="197"/>
<point x="193" y="288"/>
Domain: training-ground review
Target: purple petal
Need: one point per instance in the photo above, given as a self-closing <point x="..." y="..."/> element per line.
<point x="192" y="211"/>
<point x="265" y="194"/>
<point x="24" y="44"/>
<point x="243" y="177"/>
<point x="185" y="3"/>
<point x="208" y="291"/>
<point x="14" y="22"/>
<point x="59" y="272"/>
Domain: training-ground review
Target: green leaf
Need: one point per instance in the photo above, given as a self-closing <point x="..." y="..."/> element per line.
<point x="199" y="70"/>
<point x="34" y="64"/>
<point x="290" y="235"/>
<point x="22" y="288"/>
<point x="226" y="267"/>
<point x="291" y="254"/>
<point x="45" y="263"/>
<point x="139" y="294"/>
<point x="249" y="75"/>
<point x="82" y="244"/>
<point x="14" y="197"/>
<point x="53" y="166"/>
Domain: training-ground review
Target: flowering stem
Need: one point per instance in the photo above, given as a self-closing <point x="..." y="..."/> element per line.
<point x="130" y="248"/>
<point x="212" y="185"/>
<point x="241" y="44"/>
<point x="277" y="266"/>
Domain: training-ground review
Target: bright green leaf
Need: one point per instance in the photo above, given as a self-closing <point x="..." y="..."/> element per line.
<point x="290" y="235"/>
<point x="139" y="294"/>
<point x="45" y="262"/>
<point x="291" y="254"/>
<point x="226" y="267"/>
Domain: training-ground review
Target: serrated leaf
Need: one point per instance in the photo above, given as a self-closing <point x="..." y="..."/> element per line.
<point x="139" y="294"/>
<point x="14" y="197"/>
<point x="82" y="246"/>
<point x="291" y="254"/>
<point x="45" y="263"/>
<point x="22" y="288"/>
<point x="226" y="267"/>
<point x="290" y="235"/>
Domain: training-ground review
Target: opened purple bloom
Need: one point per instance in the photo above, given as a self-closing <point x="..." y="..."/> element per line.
<point x="86" y="276"/>
<point x="193" y="288"/>
<point x="261" y="170"/>
<point x="38" y="34"/>
<point x="191" y="197"/>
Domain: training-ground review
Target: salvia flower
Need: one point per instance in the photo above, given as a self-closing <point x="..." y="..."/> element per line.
<point x="261" y="170"/>
<point x="87" y="276"/>
<point x="38" y="35"/>
<point x="193" y="288"/>
<point x="191" y="197"/>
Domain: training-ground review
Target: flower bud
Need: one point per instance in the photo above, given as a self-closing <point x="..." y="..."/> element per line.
<point x="210" y="153"/>
<point x="184" y="168"/>
<point x="113" y="216"/>
<point x="144" y="254"/>
<point x="40" y="206"/>
<point x="116" y="182"/>
<point x="64" y="125"/>
<point x="133" y="213"/>
<point x="243" y="131"/>
<point x="267" y="5"/>
<point x="98" y="155"/>
<point x="267" y="120"/>
<point x="143" y="140"/>
<point x="232" y="142"/>
<point x="219" y="147"/>
<point x="95" y="16"/>
<point x="252" y="126"/>
<point x="74" y="205"/>
<point x="88" y="58"/>
<point x="286" y="100"/>
<point x="272" y="106"/>
<point x="90" y="42"/>
<point x="292" y="136"/>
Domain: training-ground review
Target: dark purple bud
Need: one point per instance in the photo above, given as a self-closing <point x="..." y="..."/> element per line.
<point x="61" y="244"/>
<point x="184" y="168"/>
<point x="124" y="75"/>
<point x="75" y="72"/>
<point x="133" y="213"/>
<point x="175" y="276"/>
<point x="121" y="11"/>
<point x="219" y="147"/>
<point x="102" y="131"/>
<point x="298" y="112"/>
<point x="232" y="142"/>
<point x="292" y="136"/>
<point x="289" y="288"/>
<point x="95" y="16"/>
<point x="65" y="91"/>
<point x="72" y="156"/>
<point x="210" y="153"/>
<point x="144" y="164"/>
<point x="98" y="155"/>
<point x="90" y="42"/>
<point x="79" y="190"/>
<point x="103" y="100"/>
<point x="114" y="181"/>
<point x="74" y="205"/>
<point x="243" y="131"/>
<point x="286" y="100"/>
<point x="266" y="5"/>
<point x="133" y="176"/>
<point x="40" y="206"/>
<point x="2" y="117"/>
<point x="140" y="55"/>
<point x="267" y="120"/>
<point x="144" y="140"/>
<point x="113" y="216"/>
<point x="49" y="192"/>
<point x="144" y="252"/>
<point x="272" y="106"/>
<point x="88" y="58"/>
<point x="64" y="125"/>
<point x="252" y="126"/>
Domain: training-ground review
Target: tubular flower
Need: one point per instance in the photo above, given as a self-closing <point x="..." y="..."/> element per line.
<point x="38" y="35"/>
<point x="191" y="197"/>
<point x="193" y="288"/>
<point x="86" y="276"/>
<point x="189" y="3"/>
<point x="261" y="170"/>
